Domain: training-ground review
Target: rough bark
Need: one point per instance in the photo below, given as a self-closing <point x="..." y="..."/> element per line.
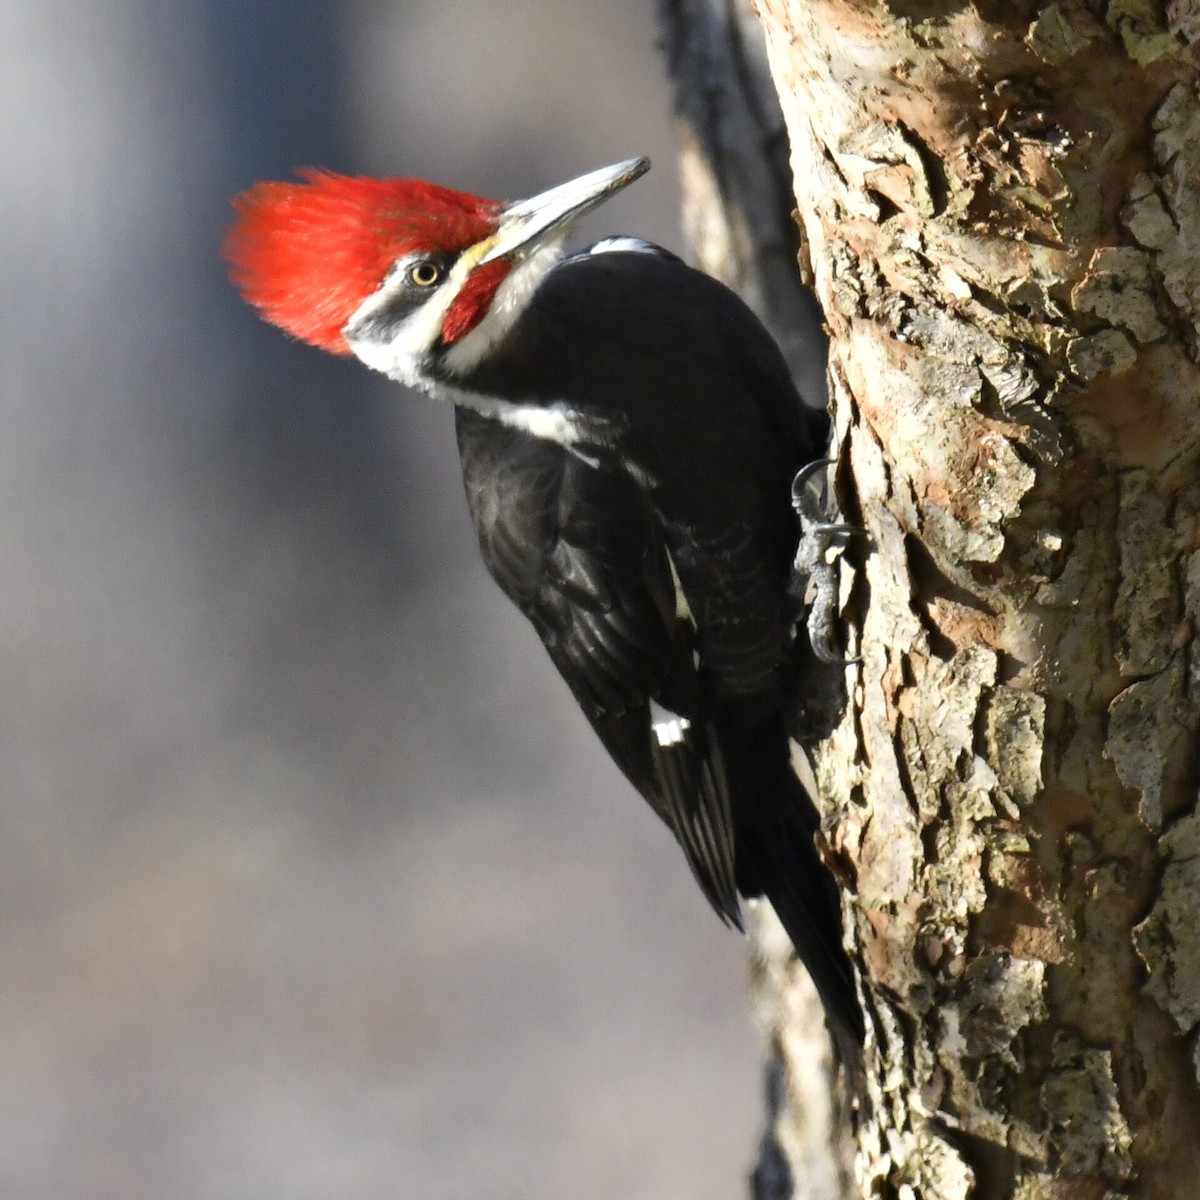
<point x="1002" y="215"/>
<point x="1001" y="211"/>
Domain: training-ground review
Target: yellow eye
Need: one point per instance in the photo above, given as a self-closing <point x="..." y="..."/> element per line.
<point x="424" y="274"/>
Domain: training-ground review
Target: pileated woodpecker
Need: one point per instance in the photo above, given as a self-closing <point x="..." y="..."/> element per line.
<point x="628" y="433"/>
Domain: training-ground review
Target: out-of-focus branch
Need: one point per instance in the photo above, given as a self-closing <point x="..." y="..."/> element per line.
<point x="738" y="200"/>
<point x="738" y="215"/>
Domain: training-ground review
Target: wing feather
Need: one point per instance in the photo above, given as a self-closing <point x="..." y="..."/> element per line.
<point x="581" y="551"/>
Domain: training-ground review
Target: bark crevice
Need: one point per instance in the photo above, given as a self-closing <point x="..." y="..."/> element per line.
<point x="1001" y="231"/>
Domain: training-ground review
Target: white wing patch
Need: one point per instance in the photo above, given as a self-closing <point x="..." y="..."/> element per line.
<point x="682" y="611"/>
<point x="670" y="729"/>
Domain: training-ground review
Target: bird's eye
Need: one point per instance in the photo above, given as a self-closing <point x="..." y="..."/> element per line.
<point x="424" y="274"/>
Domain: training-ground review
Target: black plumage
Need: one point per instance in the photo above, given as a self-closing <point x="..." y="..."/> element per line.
<point x="652" y="555"/>
<point x="629" y="435"/>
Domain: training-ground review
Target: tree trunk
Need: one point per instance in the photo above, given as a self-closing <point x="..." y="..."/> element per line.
<point x="1001" y="208"/>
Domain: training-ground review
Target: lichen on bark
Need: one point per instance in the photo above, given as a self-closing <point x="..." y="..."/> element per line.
<point x="1000" y="210"/>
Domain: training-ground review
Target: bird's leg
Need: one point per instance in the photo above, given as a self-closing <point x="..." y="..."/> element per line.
<point x="814" y="570"/>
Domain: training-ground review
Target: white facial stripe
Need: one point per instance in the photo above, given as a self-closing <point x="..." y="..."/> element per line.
<point x="670" y="729"/>
<point x="511" y="299"/>
<point x="401" y="357"/>
<point x="405" y="355"/>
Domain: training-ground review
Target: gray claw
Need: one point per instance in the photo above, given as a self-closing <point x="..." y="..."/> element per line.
<point x="809" y="492"/>
<point x="812" y="572"/>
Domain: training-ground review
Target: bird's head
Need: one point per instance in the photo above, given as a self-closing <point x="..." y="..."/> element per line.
<point x="400" y="272"/>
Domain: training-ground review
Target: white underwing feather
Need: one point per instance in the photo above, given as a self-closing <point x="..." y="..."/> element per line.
<point x="669" y="729"/>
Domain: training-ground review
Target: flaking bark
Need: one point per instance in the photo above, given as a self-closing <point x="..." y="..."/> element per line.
<point x="1000" y="205"/>
<point x="1002" y="209"/>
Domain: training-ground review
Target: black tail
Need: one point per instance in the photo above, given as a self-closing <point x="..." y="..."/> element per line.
<point x="777" y="858"/>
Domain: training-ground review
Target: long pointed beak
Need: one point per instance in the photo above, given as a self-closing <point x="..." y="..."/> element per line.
<point x="530" y="223"/>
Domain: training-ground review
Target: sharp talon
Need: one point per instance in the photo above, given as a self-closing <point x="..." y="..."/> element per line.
<point x="826" y="652"/>
<point x="809" y="493"/>
<point x="822" y="628"/>
<point x="800" y="482"/>
<point x="812" y="574"/>
<point x="831" y="655"/>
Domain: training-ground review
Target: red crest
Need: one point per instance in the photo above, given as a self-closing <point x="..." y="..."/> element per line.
<point x="306" y="255"/>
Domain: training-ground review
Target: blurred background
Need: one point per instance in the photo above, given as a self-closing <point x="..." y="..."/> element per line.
<point x="314" y="882"/>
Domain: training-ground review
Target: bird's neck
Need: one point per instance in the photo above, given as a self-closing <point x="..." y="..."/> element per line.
<point x="512" y="298"/>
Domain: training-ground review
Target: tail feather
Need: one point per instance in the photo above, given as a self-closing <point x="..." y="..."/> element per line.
<point x="779" y="860"/>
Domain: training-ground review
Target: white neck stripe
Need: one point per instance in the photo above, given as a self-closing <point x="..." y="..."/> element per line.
<point x="511" y="299"/>
<point x="405" y="356"/>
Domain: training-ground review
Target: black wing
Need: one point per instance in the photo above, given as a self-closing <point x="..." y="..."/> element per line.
<point x="694" y="401"/>
<point x="580" y="551"/>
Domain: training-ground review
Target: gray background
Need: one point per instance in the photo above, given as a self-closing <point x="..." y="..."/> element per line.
<point x="314" y="882"/>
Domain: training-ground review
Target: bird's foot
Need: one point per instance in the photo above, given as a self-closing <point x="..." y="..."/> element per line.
<point x="814" y="572"/>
